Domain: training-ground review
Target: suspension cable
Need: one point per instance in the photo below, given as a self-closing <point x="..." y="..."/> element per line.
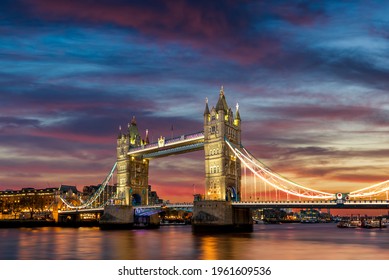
<point x="95" y="196"/>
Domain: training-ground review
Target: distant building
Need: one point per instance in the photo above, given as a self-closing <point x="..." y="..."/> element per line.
<point x="153" y="197"/>
<point x="69" y="190"/>
<point x="14" y="203"/>
<point x="89" y="190"/>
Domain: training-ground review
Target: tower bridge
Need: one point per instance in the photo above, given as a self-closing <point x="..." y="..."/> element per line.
<point x="225" y="158"/>
<point x="222" y="170"/>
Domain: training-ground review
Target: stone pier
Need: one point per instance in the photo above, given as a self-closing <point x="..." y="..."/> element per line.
<point x="117" y="217"/>
<point x="220" y="216"/>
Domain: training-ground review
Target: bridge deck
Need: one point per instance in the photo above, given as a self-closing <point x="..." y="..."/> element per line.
<point x="162" y="148"/>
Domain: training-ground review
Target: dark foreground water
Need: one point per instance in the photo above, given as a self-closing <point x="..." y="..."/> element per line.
<point x="267" y="242"/>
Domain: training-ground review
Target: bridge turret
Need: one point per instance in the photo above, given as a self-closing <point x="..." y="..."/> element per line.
<point x="222" y="103"/>
<point x="120" y="132"/>
<point x="237" y="116"/>
<point x="206" y="111"/>
<point x="135" y="139"/>
<point x="122" y="144"/>
<point x="237" y="125"/>
<point x="147" y="141"/>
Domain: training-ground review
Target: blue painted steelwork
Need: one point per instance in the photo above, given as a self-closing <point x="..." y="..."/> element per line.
<point x="234" y="195"/>
<point x="148" y="213"/>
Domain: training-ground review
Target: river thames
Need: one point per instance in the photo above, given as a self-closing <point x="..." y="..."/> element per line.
<point x="266" y="242"/>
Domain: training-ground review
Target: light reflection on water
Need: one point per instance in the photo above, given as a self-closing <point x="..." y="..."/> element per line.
<point x="271" y="242"/>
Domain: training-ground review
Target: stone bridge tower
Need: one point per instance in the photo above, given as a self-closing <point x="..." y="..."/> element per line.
<point x="132" y="172"/>
<point x="222" y="168"/>
<point x="222" y="173"/>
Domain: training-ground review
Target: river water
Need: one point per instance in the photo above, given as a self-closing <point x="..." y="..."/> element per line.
<point x="266" y="242"/>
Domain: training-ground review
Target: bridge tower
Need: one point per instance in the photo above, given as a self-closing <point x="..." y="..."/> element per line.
<point x="132" y="172"/>
<point x="222" y="168"/>
<point x="222" y="173"/>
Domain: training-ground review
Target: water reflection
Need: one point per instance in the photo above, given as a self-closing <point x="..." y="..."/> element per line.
<point x="275" y="242"/>
<point x="208" y="248"/>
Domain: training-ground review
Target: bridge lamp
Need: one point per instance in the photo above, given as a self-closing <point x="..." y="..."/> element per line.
<point x="339" y="195"/>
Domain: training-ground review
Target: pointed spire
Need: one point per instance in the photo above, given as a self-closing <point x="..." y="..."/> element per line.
<point x="133" y="121"/>
<point x="147" y="137"/>
<point x="120" y="132"/>
<point x="237" y="115"/>
<point x="206" y="110"/>
<point x="221" y="103"/>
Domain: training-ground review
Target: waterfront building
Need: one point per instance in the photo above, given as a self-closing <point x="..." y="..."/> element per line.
<point x="26" y="203"/>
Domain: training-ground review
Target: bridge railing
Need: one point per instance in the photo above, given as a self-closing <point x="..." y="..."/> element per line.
<point x="311" y="202"/>
<point x="148" y="146"/>
<point x="289" y="202"/>
<point x="179" y="204"/>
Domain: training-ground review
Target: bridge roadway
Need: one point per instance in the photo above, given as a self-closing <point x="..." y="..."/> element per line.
<point x="331" y="204"/>
<point x="162" y="148"/>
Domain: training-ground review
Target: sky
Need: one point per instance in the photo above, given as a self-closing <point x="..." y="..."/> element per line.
<point x="311" y="79"/>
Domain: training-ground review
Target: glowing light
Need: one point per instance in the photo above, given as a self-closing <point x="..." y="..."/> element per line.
<point x="273" y="178"/>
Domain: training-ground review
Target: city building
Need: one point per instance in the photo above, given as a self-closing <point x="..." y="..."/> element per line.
<point x="153" y="197"/>
<point x="26" y="203"/>
<point x="31" y="203"/>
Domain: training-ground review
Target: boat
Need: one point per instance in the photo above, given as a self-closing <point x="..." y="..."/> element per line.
<point x="374" y="223"/>
<point x="309" y="220"/>
<point x="349" y="224"/>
